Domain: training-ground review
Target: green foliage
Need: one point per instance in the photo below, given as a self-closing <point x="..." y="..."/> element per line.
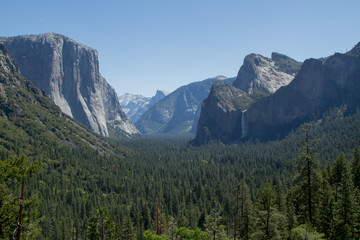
<point x="308" y="180"/>
<point x="101" y="226"/>
<point x="270" y="222"/>
<point x="84" y="172"/>
<point x="305" y="232"/>
<point x="13" y="172"/>
<point x="149" y="235"/>
<point x="188" y="234"/>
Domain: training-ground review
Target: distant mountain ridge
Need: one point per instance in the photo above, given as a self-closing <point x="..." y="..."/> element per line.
<point x="69" y="74"/>
<point x="177" y="113"/>
<point x="134" y="105"/>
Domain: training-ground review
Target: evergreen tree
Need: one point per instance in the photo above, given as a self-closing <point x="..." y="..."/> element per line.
<point x="18" y="217"/>
<point x="242" y="212"/>
<point x="159" y="219"/>
<point x="344" y="204"/>
<point x="356" y="166"/>
<point x="270" y="223"/>
<point x="128" y="230"/>
<point x="326" y="212"/>
<point x="101" y="226"/>
<point x="307" y="184"/>
<point x="214" y="227"/>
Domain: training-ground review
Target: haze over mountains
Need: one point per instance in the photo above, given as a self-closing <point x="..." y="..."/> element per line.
<point x="68" y="72"/>
<point x="176" y="115"/>
<point x="268" y="98"/>
<point x="134" y="105"/>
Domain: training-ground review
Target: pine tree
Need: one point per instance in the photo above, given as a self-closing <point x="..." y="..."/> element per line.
<point x="242" y="212"/>
<point x="326" y="212"/>
<point x="159" y="219"/>
<point x="101" y="226"/>
<point x="270" y="223"/>
<point x="307" y="186"/>
<point x="17" y="216"/>
<point x="214" y="226"/>
<point x="344" y="204"/>
<point x="128" y="230"/>
<point x="356" y="166"/>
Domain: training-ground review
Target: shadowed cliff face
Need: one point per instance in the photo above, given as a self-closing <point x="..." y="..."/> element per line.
<point x="223" y="114"/>
<point x="219" y="118"/>
<point x="319" y="86"/>
<point x="69" y="73"/>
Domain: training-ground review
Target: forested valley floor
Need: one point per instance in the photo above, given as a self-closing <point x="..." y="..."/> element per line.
<point x="303" y="187"/>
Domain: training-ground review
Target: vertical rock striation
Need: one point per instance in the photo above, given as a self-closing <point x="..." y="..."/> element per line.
<point x="223" y="116"/>
<point x="68" y="72"/>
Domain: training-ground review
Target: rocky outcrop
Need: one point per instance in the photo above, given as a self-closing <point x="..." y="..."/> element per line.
<point x="177" y="114"/>
<point x="160" y="94"/>
<point x="319" y="86"/>
<point x="29" y="116"/>
<point x="135" y="105"/>
<point x="69" y="74"/>
<point x="220" y="109"/>
<point x="262" y="74"/>
<point x="223" y="112"/>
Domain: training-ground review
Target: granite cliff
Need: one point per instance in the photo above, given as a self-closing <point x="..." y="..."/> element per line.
<point x="31" y="124"/>
<point x="319" y="86"/>
<point x="68" y="72"/>
<point x="223" y="111"/>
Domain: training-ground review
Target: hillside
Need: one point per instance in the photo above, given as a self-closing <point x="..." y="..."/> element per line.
<point x="86" y="178"/>
<point x="68" y="72"/>
<point x="31" y="124"/>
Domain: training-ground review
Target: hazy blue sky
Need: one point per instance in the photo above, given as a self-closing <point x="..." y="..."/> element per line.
<point x="145" y="45"/>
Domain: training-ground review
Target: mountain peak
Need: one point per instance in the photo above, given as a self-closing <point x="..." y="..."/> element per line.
<point x="259" y="73"/>
<point x="355" y="51"/>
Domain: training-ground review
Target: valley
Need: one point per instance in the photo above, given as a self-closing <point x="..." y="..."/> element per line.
<point x="271" y="154"/>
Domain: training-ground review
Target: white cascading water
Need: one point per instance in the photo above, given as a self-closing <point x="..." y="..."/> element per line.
<point x="243" y="125"/>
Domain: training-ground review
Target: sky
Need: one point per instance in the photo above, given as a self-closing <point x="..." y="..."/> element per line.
<point x="146" y="45"/>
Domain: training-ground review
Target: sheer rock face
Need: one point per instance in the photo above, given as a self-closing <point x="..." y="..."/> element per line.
<point x="219" y="117"/>
<point x="320" y="85"/>
<point x="68" y="72"/>
<point x="259" y="73"/>
<point x="223" y="112"/>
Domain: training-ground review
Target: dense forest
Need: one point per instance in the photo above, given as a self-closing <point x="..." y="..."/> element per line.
<point x="306" y="186"/>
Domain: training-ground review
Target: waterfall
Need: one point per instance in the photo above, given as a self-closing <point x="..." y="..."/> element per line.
<point x="243" y="125"/>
